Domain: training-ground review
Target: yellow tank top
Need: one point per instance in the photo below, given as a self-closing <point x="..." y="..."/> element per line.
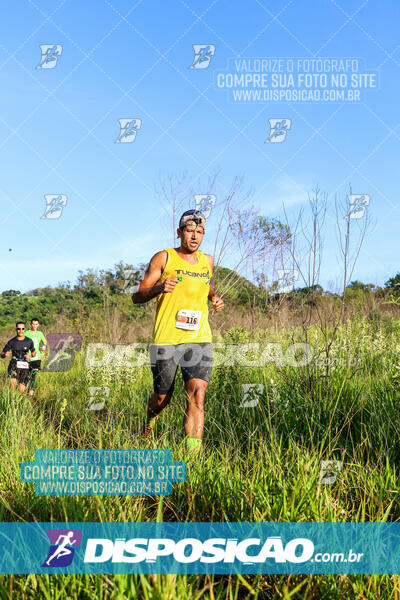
<point x="190" y="294"/>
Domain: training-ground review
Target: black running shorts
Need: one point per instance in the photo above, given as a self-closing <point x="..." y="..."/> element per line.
<point x="35" y="364"/>
<point x="195" y="361"/>
<point x="21" y="375"/>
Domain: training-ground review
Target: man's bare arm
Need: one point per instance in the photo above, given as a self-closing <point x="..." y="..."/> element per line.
<point x="147" y="287"/>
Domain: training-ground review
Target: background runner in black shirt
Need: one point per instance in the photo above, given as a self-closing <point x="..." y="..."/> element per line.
<point x="20" y="348"/>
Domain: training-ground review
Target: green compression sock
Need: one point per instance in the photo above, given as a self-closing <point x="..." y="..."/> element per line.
<point x="193" y="443"/>
<point x="33" y="379"/>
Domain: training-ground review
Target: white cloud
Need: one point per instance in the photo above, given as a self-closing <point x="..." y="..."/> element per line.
<point x="282" y="193"/>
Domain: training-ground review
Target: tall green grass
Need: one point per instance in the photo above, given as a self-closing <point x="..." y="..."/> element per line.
<point x="258" y="464"/>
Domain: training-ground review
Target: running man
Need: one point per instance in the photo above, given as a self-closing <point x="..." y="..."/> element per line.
<point x="21" y="349"/>
<point x="180" y="279"/>
<point x="40" y="344"/>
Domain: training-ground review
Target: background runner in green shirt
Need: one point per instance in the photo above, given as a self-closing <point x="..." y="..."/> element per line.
<point x="40" y="344"/>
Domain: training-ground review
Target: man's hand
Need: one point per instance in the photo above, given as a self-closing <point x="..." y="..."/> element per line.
<point x="218" y="303"/>
<point x="169" y="284"/>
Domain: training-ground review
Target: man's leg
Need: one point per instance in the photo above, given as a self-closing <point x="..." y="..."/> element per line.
<point x="164" y="367"/>
<point x="12" y="374"/>
<point x="32" y="381"/>
<point x="23" y="379"/>
<point x="155" y="404"/>
<point x="196" y="371"/>
<point x="193" y="421"/>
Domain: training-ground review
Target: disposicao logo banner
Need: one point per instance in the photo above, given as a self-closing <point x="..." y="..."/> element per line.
<point x="279" y="548"/>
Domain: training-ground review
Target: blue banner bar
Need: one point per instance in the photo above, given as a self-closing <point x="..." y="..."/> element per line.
<point x="249" y="548"/>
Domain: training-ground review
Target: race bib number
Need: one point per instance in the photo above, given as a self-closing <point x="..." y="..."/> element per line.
<point x="22" y="364"/>
<point x="188" y="319"/>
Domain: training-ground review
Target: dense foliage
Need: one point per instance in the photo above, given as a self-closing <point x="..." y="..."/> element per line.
<point x="105" y="290"/>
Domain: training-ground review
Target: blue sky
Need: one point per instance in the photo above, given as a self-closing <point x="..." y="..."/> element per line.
<point x="122" y="59"/>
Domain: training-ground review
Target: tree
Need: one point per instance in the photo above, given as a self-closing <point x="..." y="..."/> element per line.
<point x="241" y="233"/>
<point x="393" y="283"/>
<point x="89" y="284"/>
<point x="306" y="254"/>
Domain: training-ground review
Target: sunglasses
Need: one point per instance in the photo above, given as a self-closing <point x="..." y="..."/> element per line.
<point x="20" y="328"/>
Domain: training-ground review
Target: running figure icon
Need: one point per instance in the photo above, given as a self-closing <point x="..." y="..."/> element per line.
<point x="62" y="549"/>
